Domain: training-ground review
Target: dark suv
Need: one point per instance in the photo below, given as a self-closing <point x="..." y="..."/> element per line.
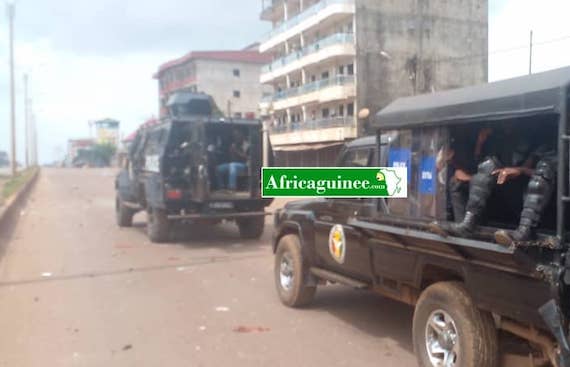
<point x="179" y="170"/>
<point x="464" y="288"/>
<point x="4" y="161"/>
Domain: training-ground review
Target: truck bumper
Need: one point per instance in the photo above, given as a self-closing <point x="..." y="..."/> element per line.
<point x="193" y="216"/>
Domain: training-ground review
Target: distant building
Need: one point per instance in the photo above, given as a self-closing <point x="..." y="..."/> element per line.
<point x="230" y="77"/>
<point x="332" y="58"/>
<point x="74" y="147"/>
<point x="107" y="131"/>
<point x="4" y="159"/>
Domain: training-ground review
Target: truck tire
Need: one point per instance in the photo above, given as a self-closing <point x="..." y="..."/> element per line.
<point x="124" y="215"/>
<point x="158" y="226"/>
<point x="448" y="327"/>
<point x="291" y="271"/>
<point x="251" y="228"/>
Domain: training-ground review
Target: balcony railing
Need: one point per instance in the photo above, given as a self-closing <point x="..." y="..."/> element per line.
<point x="334" y="39"/>
<point x="309" y="12"/>
<point x="268" y="5"/>
<point x="323" y="123"/>
<point x="314" y="86"/>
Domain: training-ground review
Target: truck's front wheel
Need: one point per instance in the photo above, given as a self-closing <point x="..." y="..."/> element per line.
<point x="291" y="271"/>
<point x="251" y="228"/>
<point x="449" y="330"/>
<point x="158" y="226"/>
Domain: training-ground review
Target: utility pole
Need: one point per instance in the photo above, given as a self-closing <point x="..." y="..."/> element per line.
<point x="26" y="121"/>
<point x="34" y="140"/>
<point x="530" y="56"/>
<point x="11" y="11"/>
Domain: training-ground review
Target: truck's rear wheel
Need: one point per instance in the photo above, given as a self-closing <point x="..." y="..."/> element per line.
<point x="158" y="226"/>
<point x="124" y="215"/>
<point x="449" y="330"/>
<point x="251" y="228"/>
<point x="291" y="271"/>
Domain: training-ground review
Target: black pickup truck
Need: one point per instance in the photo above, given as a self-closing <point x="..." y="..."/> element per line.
<point x="466" y="289"/>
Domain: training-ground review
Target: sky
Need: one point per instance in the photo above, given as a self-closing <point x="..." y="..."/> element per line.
<point x="92" y="59"/>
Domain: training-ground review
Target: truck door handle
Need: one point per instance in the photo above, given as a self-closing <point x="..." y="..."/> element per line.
<point x="326" y="218"/>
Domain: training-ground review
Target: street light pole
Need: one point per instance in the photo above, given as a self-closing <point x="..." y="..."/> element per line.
<point x="26" y="121"/>
<point x="10" y="7"/>
<point x="530" y="55"/>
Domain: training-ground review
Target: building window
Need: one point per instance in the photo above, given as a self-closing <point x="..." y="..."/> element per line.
<point x="237" y="94"/>
<point x="313" y="78"/>
<point x="350" y="109"/>
<point x="325" y="75"/>
<point x="238" y="115"/>
<point x="350" y="69"/>
<point x="341" y="110"/>
<point x="325" y="113"/>
<point x="341" y="70"/>
<point x="236" y="73"/>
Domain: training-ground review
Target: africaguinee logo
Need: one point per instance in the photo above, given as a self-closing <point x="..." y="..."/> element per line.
<point x="335" y="182"/>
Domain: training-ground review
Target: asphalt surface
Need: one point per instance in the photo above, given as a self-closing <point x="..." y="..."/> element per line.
<point x="75" y="290"/>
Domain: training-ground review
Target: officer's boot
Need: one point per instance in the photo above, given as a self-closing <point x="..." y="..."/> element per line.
<point x="540" y="189"/>
<point x="464" y="228"/>
<point x="480" y="189"/>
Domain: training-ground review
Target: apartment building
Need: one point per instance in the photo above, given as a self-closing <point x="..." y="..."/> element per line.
<point x="230" y="77"/>
<point x="333" y="58"/>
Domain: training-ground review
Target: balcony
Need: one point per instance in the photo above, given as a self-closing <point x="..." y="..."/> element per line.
<point x="323" y="130"/>
<point x="331" y="46"/>
<point x="268" y="8"/>
<point x="325" y="90"/>
<point x="324" y="123"/>
<point x="306" y="19"/>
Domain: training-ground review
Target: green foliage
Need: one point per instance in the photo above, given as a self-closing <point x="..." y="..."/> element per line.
<point x="98" y="155"/>
<point x="14" y="184"/>
<point x="104" y="153"/>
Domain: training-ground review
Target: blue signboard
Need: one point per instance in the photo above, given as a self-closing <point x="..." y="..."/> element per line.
<point x="428" y="176"/>
<point x="401" y="157"/>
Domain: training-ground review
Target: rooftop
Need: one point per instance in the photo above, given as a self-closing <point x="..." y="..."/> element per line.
<point x="244" y="56"/>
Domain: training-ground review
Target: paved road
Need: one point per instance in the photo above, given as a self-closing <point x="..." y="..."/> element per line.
<point x="77" y="291"/>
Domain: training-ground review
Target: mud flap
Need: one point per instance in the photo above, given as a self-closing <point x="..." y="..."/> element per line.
<point x="551" y="315"/>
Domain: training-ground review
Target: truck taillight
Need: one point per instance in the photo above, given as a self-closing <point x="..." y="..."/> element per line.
<point x="174" y="194"/>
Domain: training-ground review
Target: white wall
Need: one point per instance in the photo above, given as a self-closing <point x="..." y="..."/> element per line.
<point x="217" y="79"/>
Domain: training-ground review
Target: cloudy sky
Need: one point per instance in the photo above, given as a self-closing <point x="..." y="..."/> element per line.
<point x="90" y="59"/>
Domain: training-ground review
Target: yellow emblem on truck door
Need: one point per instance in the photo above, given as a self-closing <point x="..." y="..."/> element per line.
<point x="337" y="243"/>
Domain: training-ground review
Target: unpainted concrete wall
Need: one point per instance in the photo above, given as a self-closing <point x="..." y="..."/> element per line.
<point x="216" y="78"/>
<point x="407" y="47"/>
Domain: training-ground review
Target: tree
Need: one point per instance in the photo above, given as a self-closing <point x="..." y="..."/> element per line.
<point x="103" y="153"/>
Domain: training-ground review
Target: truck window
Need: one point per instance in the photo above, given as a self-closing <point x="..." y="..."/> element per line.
<point x="357" y="157"/>
<point x="418" y="150"/>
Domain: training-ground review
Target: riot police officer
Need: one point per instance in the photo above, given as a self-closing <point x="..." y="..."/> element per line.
<point x="520" y="156"/>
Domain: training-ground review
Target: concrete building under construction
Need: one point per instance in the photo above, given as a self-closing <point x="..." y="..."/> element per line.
<point x="332" y="58"/>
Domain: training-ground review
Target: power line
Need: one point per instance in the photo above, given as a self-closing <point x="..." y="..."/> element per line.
<point x="500" y="51"/>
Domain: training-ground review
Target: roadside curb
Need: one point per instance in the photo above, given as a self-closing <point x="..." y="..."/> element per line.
<point x="14" y="202"/>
